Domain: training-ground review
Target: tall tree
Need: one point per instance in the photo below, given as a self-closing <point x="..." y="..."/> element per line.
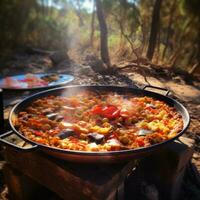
<point x="192" y="7"/>
<point x="172" y="12"/>
<point x="154" y="29"/>
<point x="79" y="14"/>
<point x="103" y="33"/>
<point x="92" y="26"/>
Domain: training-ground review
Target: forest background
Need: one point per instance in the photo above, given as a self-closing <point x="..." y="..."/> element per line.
<point x="164" y="32"/>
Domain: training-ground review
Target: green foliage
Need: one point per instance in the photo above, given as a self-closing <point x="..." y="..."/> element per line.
<point x="191" y="7"/>
<point x="14" y="14"/>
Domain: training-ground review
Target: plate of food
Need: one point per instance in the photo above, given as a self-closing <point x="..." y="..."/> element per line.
<point x="34" y="81"/>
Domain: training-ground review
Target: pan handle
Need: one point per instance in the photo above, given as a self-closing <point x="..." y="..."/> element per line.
<point x="158" y="88"/>
<point x="7" y="143"/>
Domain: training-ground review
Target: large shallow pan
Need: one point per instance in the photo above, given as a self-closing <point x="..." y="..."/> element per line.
<point x="97" y="157"/>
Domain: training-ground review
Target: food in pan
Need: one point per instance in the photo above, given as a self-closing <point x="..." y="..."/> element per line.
<point x="98" y="121"/>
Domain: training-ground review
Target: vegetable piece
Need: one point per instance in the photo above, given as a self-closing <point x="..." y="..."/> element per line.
<point x="95" y="137"/>
<point x="171" y="135"/>
<point x="143" y="132"/>
<point x="114" y="143"/>
<point x="140" y="141"/>
<point x="108" y="111"/>
<point x="68" y="108"/>
<point x="124" y="112"/>
<point x="101" y="130"/>
<point x="45" y="127"/>
<point x="38" y="133"/>
<point x="83" y="136"/>
<point x="97" y="110"/>
<point x="151" y="105"/>
<point x="66" y="124"/>
<point x="47" y="111"/>
<point x="124" y="140"/>
<point x="111" y="112"/>
<point x="80" y="129"/>
<point x="66" y="133"/>
<point x="59" y="118"/>
<point x="52" y="116"/>
<point x="104" y="120"/>
<point x="93" y="147"/>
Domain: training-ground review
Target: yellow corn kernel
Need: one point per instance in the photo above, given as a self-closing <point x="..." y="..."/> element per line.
<point x="104" y="130"/>
<point x="106" y="124"/>
<point x="95" y="128"/>
<point x="100" y="130"/>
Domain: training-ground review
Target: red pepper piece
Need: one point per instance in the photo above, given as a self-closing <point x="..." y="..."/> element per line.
<point x="140" y="141"/>
<point x="97" y="110"/>
<point x="109" y="111"/>
<point x="38" y="133"/>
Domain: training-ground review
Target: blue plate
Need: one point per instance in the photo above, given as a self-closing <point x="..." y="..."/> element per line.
<point x="62" y="80"/>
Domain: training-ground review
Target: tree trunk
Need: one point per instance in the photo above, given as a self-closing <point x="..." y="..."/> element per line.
<point x="43" y="7"/>
<point x="78" y="13"/>
<point x="184" y="34"/>
<point x="158" y="46"/>
<point x="154" y="29"/>
<point x="172" y="10"/>
<point x="103" y="33"/>
<point x="197" y="68"/>
<point x="92" y="27"/>
<point x="198" y="39"/>
<point x="51" y="8"/>
<point x="144" y="38"/>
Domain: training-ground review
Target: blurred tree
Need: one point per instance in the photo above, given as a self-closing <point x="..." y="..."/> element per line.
<point x="79" y="14"/>
<point x="192" y="8"/>
<point x="145" y="9"/>
<point x="103" y="33"/>
<point x="169" y="27"/>
<point x="77" y="5"/>
<point x="92" y="25"/>
<point x="126" y="16"/>
<point x="154" y="29"/>
<point x="12" y="26"/>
